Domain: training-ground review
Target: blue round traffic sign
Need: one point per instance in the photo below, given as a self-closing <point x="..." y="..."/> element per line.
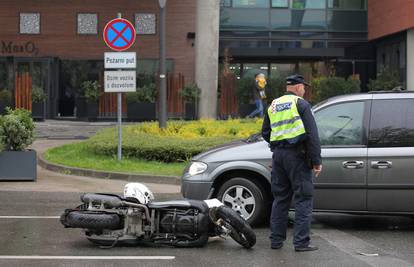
<point x="119" y="34"/>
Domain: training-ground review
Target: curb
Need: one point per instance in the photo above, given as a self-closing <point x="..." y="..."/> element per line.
<point x="157" y="179"/>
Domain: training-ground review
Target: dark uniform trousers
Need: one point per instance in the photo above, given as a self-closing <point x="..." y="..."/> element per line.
<point x="291" y="176"/>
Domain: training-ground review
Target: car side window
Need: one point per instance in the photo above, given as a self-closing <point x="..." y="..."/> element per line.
<point x="392" y="123"/>
<point x="341" y="124"/>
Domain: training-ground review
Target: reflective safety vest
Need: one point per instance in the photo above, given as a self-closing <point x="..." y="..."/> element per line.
<point x="285" y="120"/>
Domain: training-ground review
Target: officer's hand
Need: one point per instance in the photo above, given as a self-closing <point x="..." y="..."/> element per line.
<point x="317" y="169"/>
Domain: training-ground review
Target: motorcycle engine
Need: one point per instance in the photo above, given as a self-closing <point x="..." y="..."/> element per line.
<point x="133" y="222"/>
<point x="189" y="222"/>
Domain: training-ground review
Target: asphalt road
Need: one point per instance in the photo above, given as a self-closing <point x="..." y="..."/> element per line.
<point x="42" y="241"/>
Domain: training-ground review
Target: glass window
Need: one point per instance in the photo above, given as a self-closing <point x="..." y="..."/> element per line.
<point x="392" y="123"/>
<point x="225" y="3"/>
<point x="280" y="3"/>
<point x="87" y="23"/>
<point x="339" y="20"/>
<point x="3" y="76"/>
<point x="236" y="19"/>
<point x="341" y="124"/>
<point x="311" y="4"/>
<point x="347" y="4"/>
<point x="251" y="3"/>
<point x="250" y="70"/>
<point x="30" y="23"/>
<point x="298" y="19"/>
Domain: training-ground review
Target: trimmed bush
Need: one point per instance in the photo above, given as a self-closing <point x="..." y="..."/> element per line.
<point x="16" y="130"/>
<point x="386" y="80"/>
<point x="178" y="142"/>
<point x="326" y="87"/>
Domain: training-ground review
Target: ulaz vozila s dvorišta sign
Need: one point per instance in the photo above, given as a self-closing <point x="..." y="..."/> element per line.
<point x="119" y="34"/>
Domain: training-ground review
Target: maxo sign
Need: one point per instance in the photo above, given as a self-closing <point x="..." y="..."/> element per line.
<point x="119" y="34"/>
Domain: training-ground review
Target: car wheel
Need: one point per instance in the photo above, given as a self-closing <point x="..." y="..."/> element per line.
<point x="246" y="198"/>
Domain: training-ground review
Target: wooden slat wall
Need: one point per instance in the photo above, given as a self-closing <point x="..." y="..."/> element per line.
<point x="108" y="102"/>
<point x="23" y="91"/>
<point x="228" y="99"/>
<point x="175" y="102"/>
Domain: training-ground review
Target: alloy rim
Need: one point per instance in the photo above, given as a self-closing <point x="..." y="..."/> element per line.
<point x="241" y="200"/>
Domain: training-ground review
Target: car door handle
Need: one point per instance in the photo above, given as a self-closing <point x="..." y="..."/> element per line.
<point x="353" y="164"/>
<point x="381" y="164"/>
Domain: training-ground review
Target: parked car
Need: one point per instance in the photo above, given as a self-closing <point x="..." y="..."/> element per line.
<point x="368" y="161"/>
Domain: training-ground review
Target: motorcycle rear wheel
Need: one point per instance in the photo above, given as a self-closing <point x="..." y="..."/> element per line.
<point x="94" y="221"/>
<point x="240" y="230"/>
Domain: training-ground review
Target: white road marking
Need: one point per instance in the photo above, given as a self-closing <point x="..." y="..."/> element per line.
<point x="16" y="257"/>
<point x="29" y="217"/>
<point x="353" y="245"/>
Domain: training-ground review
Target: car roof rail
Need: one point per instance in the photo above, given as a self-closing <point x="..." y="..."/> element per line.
<point x="398" y="89"/>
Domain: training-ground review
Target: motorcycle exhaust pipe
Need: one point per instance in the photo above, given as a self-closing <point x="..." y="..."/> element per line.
<point x="100" y="199"/>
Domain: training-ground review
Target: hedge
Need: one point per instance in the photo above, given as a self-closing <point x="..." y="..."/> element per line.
<point x="179" y="142"/>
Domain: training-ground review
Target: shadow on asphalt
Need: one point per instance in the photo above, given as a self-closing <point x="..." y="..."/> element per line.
<point x="363" y="222"/>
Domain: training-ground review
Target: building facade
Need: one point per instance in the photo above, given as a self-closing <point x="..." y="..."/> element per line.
<point x="391" y="30"/>
<point x="312" y="37"/>
<point x="60" y="43"/>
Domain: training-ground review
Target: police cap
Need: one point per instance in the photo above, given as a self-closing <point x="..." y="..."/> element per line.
<point x="296" y="79"/>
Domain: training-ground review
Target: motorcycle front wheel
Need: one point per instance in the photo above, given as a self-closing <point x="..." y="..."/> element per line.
<point x="239" y="228"/>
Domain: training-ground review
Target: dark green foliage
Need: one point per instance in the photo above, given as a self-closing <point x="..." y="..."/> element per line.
<point x="38" y="95"/>
<point x="276" y="87"/>
<point x="146" y="93"/>
<point x="244" y="90"/>
<point x="386" y="80"/>
<point x="5" y="97"/>
<point x="16" y="130"/>
<point x="326" y="87"/>
<point x="150" y="147"/>
<point x="190" y="92"/>
<point x="90" y="90"/>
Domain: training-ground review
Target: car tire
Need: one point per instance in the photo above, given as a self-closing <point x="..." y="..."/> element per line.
<point x="237" y="193"/>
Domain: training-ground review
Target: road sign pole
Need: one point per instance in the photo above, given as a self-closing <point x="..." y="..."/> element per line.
<point x="119" y="118"/>
<point x="163" y="81"/>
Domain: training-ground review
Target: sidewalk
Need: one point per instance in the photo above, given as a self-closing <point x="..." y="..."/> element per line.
<point x="55" y="133"/>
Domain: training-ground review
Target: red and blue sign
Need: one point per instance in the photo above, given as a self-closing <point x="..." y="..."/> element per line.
<point x="119" y="34"/>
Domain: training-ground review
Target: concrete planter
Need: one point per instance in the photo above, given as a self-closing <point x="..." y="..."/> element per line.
<point x="190" y="111"/>
<point x="92" y="109"/>
<point x="3" y="107"/>
<point x="18" y="165"/>
<point x="38" y="111"/>
<point x="144" y="111"/>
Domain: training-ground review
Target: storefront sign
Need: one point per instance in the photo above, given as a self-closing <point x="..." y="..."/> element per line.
<point x="9" y="47"/>
<point x="120" y="60"/>
<point x="120" y="81"/>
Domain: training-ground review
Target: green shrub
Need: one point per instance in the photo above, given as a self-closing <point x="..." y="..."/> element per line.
<point x="91" y="91"/>
<point x="190" y="92"/>
<point x="38" y="95"/>
<point x="276" y="88"/>
<point x="178" y="142"/>
<point x="5" y="97"/>
<point x="326" y="87"/>
<point x="386" y="80"/>
<point x="16" y="130"/>
<point x="244" y="90"/>
<point x="146" y="93"/>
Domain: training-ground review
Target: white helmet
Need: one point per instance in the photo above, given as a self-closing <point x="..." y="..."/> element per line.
<point x="138" y="191"/>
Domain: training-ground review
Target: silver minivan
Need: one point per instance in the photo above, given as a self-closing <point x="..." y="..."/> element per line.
<point x="368" y="161"/>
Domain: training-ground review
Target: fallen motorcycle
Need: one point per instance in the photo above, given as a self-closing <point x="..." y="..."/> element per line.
<point x="136" y="219"/>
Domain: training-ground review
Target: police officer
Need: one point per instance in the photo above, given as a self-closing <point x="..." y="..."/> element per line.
<point x="290" y="129"/>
